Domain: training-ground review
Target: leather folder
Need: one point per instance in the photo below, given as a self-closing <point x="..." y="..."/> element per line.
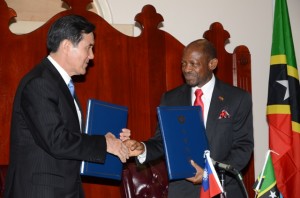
<point x="103" y="117"/>
<point x="184" y="139"/>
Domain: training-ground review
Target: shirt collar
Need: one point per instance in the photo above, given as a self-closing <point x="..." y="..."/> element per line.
<point x="61" y="71"/>
<point x="208" y="88"/>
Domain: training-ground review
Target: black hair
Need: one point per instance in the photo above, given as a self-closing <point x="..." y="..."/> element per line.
<point x="206" y="47"/>
<point x="69" y="27"/>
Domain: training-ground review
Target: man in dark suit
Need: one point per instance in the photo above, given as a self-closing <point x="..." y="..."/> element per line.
<point x="227" y="117"/>
<point x="47" y="144"/>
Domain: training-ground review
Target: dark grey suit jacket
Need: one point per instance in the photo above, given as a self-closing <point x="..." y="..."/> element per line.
<point x="230" y="140"/>
<point x="47" y="146"/>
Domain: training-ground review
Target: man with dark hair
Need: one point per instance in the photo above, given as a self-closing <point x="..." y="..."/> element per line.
<point x="227" y="118"/>
<point x="47" y="143"/>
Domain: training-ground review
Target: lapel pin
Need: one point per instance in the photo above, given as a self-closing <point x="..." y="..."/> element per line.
<point x="221" y="98"/>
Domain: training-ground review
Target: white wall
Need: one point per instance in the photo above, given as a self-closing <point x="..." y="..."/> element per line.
<point x="248" y="22"/>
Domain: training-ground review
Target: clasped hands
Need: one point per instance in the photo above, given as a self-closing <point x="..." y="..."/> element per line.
<point x="136" y="148"/>
<point x="116" y="146"/>
<point x="125" y="148"/>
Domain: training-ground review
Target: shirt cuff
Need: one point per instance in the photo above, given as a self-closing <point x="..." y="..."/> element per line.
<point x="142" y="157"/>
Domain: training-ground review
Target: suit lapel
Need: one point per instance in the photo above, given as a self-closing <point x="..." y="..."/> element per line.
<point x="217" y="103"/>
<point x="185" y="96"/>
<point x="60" y="83"/>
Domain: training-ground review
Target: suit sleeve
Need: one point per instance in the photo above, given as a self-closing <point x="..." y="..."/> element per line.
<point x="176" y="97"/>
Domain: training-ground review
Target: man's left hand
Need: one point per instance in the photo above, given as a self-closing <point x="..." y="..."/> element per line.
<point x="197" y="179"/>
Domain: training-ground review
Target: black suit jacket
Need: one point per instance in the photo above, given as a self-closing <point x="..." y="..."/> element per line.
<point x="230" y="140"/>
<point x="47" y="146"/>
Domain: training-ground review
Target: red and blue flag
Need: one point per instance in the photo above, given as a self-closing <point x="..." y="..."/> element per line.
<point x="211" y="185"/>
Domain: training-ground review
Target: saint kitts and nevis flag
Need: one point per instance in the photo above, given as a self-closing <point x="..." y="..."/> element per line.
<point x="265" y="186"/>
<point x="283" y="108"/>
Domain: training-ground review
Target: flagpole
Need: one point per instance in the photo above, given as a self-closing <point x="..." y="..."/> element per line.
<point x="222" y="180"/>
<point x="261" y="174"/>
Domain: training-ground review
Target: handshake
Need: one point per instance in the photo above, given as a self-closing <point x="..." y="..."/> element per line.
<point x="123" y="147"/>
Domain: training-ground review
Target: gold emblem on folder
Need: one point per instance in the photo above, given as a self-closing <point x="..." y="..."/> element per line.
<point x="181" y="119"/>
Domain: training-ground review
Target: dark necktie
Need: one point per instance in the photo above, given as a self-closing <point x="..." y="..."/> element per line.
<point x="198" y="101"/>
<point x="71" y="88"/>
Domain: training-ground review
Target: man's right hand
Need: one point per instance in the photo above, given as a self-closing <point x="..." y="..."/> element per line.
<point x="135" y="148"/>
<point x="116" y="147"/>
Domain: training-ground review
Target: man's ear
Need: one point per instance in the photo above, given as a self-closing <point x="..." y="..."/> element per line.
<point x="66" y="45"/>
<point x="213" y="63"/>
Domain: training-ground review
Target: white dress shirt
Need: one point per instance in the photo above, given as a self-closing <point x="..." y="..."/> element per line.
<point x="207" y="90"/>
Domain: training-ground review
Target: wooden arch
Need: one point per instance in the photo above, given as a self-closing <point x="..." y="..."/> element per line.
<point x="130" y="71"/>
